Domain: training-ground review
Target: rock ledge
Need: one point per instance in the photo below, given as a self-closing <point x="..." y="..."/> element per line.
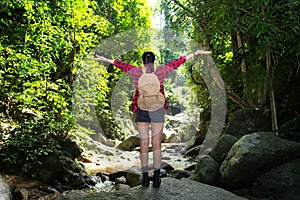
<point x="171" y="188"/>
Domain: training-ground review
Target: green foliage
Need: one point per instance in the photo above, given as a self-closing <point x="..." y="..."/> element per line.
<point x="29" y="142"/>
<point x="38" y="62"/>
<point x="125" y="15"/>
<point x="43" y="46"/>
<point x="90" y="105"/>
<point x="94" y="96"/>
<point x="265" y="28"/>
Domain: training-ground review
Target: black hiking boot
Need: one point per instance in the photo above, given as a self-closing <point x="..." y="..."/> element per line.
<point x="156" y="178"/>
<point x="146" y="180"/>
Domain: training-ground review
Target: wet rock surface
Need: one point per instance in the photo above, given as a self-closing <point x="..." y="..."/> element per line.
<point x="170" y="189"/>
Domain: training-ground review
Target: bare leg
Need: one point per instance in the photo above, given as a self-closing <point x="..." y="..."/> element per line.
<point x="143" y="129"/>
<point x="156" y="144"/>
<point x="157" y="129"/>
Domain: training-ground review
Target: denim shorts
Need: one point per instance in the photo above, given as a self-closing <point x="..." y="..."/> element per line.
<point x="157" y="116"/>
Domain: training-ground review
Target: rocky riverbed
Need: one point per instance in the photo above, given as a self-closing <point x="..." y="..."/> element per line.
<point x="117" y="160"/>
<point x="100" y="165"/>
<point x="255" y="165"/>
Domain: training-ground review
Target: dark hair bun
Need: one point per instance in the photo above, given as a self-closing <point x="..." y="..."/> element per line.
<point x="148" y="57"/>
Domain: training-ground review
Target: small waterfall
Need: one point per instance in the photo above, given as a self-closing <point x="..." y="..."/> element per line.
<point x="101" y="185"/>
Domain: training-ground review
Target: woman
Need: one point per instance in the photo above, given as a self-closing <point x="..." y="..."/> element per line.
<point x="150" y="119"/>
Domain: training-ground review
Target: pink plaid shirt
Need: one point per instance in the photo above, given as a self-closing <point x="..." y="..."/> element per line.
<point x="136" y="72"/>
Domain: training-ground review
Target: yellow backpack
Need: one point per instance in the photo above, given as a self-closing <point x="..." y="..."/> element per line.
<point x="150" y="98"/>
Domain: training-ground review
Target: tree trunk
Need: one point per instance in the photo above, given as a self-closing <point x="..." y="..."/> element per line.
<point x="245" y="75"/>
<point x="271" y="94"/>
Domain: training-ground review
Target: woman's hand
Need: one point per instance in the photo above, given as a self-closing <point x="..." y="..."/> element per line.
<point x="99" y="58"/>
<point x="202" y="52"/>
<point x="102" y="58"/>
<point x="197" y="53"/>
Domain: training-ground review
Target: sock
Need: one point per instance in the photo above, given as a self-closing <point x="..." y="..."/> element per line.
<point x="144" y="169"/>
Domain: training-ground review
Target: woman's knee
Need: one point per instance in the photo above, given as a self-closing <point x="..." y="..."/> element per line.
<point x="144" y="142"/>
<point x="156" y="144"/>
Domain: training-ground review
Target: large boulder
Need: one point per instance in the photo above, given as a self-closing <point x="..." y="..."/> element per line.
<point x="282" y="182"/>
<point x="4" y="190"/>
<point x="221" y="149"/>
<point x="170" y="188"/>
<point x="206" y="171"/>
<point x="71" y="147"/>
<point x="246" y="121"/>
<point x="130" y="143"/>
<point x="62" y="172"/>
<point x="253" y="155"/>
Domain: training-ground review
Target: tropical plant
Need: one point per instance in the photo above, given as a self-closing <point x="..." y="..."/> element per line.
<point x="254" y="46"/>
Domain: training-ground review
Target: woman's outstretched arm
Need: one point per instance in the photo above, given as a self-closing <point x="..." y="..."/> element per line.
<point x="102" y="58"/>
<point x="126" y="67"/>
<point x="187" y="57"/>
<point x="176" y="63"/>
